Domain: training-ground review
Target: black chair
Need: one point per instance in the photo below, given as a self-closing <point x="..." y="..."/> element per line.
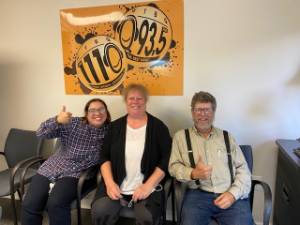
<point x="180" y="189"/>
<point x="87" y="181"/>
<point x="19" y="146"/>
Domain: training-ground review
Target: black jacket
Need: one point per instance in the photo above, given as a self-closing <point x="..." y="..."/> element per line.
<point x="156" y="152"/>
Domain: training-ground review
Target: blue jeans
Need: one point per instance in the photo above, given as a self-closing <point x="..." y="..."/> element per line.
<point x="198" y="209"/>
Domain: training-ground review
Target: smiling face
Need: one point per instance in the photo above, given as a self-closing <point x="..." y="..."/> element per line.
<point x="203" y="116"/>
<point x="136" y="103"/>
<point x="97" y="114"/>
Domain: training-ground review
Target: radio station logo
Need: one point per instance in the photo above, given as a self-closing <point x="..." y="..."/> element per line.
<point x="145" y="33"/>
<point x="142" y="38"/>
<point x="100" y="64"/>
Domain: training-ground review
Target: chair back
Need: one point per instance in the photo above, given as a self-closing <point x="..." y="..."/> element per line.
<point x="20" y="145"/>
<point x="247" y="151"/>
<point x="49" y="147"/>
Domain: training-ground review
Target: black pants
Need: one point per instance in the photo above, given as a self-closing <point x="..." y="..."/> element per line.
<point x="58" y="202"/>
<point x="105" y="211"/>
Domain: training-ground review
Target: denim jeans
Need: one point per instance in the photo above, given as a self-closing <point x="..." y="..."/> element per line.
<point x="198" y="209"/>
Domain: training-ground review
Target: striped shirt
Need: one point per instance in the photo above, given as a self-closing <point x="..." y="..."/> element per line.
<point x="81" y="144"/>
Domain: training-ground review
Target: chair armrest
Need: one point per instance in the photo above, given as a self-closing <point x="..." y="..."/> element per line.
<point x="29" y="164"/>
<point x="169" y="191"/>
<point x="99" y="178"/>
<point x="84" y="176"/>
<point x="15" y="170"/>
<point x="267" y="199"/>
<point x="168" y="187"/>
<point x="179" y="191"/>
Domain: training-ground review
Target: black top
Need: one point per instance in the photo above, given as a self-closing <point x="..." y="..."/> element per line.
<point x="156" y="152"/>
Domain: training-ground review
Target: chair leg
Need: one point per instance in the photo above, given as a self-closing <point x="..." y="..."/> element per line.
<point x="173" y="205"/>
<point x="20" y="195"/>
<point x="78" y="211"/>
<point x="14" y="210"/>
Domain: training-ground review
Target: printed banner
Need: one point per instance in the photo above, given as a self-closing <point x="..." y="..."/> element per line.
<point x="106" y="48"/>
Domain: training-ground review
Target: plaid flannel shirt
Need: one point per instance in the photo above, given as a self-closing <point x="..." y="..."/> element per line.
<point x="80" y="149"/>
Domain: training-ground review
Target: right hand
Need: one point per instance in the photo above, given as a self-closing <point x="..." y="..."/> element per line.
<point x="64" y="117"/>
<point x="201" y="171"/>
<point x="142" y="192"/>
<point x="113" y="191"/>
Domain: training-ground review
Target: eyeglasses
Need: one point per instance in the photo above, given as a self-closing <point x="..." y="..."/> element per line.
<point x="100" y="110"/>
<point x="202" y="110"/>
<point x="133" y="98"/>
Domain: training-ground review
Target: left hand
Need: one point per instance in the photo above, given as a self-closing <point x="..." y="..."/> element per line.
<point x="225" y="200"/>
<point x="142" y="192"/>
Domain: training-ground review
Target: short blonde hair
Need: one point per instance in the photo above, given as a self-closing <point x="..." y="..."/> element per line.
<point x="135" y="87"/>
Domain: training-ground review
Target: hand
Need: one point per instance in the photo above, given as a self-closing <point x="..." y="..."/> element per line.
<point x="142" y="192"/>
<point x="201" y="171"/>
<point x="225" y="200"/>
<point x="64" y="117"/>
<point x="113" y="191"/>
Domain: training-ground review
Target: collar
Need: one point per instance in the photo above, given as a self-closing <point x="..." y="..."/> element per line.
<point x="211" y="133"/>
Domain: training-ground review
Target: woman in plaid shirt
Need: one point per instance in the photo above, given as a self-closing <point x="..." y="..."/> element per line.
<point x="55" y="185"/>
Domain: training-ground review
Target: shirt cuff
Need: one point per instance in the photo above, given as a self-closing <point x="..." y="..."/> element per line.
<point x="235" y="191"/>
<point x="187" y="174"/>
<point x="52" y="123"/>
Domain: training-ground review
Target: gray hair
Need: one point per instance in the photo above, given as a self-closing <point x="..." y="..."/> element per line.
<point x="204" y="97"/>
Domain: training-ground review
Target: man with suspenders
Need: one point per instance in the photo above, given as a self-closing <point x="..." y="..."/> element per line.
<point x="213" y="165"/>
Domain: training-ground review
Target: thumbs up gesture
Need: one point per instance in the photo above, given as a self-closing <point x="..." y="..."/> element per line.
<point x="64" y="117"/>
<point x="201" y="171"/>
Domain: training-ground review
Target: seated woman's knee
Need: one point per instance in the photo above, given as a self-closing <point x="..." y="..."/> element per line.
<point x="100" y="208"/>
<point x="54" y="203"/>
<point x="30" y="203"/>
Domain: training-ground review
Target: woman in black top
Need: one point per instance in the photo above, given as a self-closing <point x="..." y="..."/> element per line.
<point x="134" y="162"/>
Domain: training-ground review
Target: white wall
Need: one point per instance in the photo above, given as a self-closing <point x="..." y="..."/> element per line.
<point x="247" y="53"/>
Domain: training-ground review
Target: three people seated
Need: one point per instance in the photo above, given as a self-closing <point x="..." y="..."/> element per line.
<point x="135" y="153"/>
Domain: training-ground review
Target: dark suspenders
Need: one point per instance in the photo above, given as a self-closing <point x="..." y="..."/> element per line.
<point x="191" y="157"/>
<point x="226" y="138"/>
<point x="190" y="151"/>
